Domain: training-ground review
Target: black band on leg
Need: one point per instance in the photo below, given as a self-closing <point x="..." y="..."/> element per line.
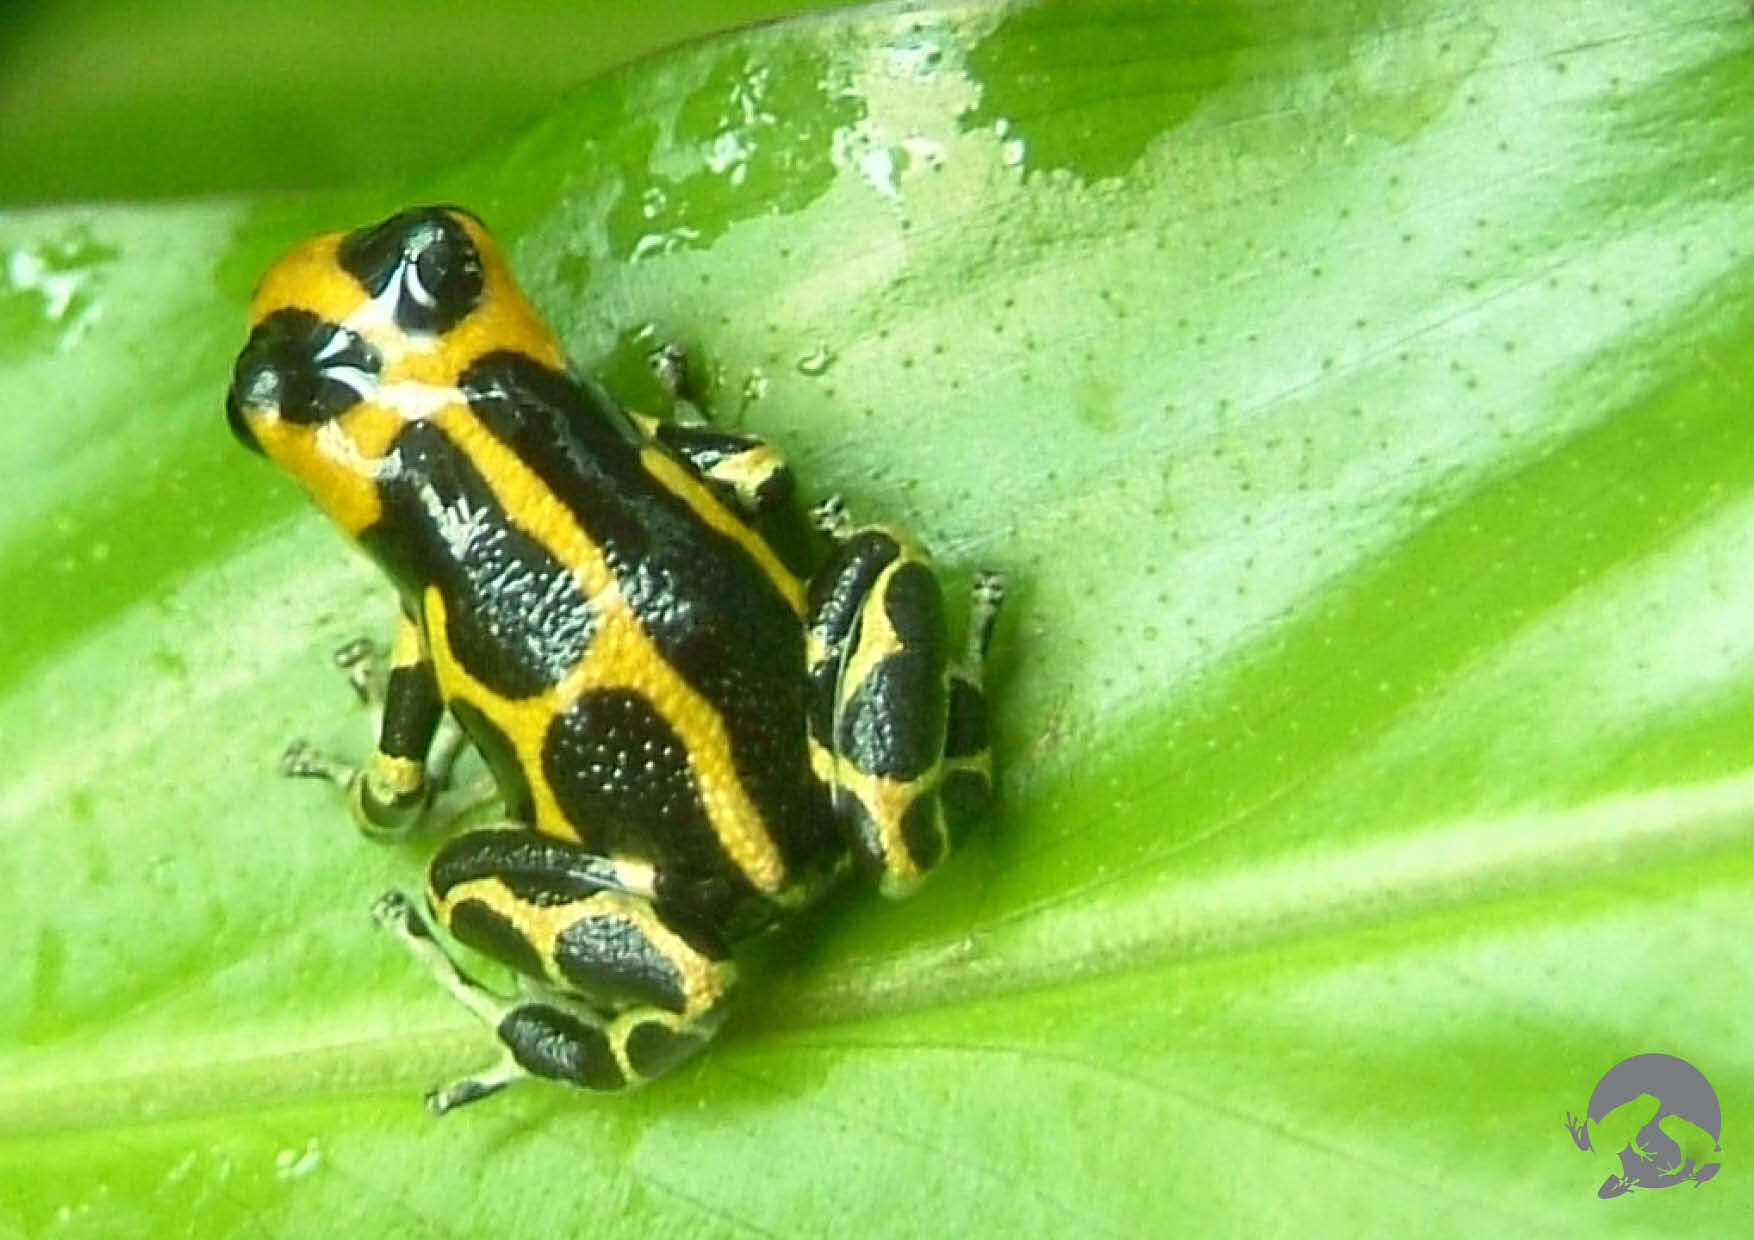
<point x="549" y="1042"/>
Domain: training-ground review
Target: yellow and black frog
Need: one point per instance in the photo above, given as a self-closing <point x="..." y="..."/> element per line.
<point x="689" y="739"/>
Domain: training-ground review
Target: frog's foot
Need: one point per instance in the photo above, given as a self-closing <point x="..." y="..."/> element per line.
<point x="549" y="1033"/>
<point x="986" y="596"/>
<point x="362" y="663"/>
<point x="830" y="516"/>
<point x="669" y="366"/>
<point x="395" y="913"/>
<point x="303" y="760"/>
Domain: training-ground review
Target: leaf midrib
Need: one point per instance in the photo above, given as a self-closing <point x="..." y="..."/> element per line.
<point x="1051" y="943"/>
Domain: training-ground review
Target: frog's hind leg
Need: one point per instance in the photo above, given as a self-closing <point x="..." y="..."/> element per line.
<point x="619" y="995"/>
<point x="897" y="729"/>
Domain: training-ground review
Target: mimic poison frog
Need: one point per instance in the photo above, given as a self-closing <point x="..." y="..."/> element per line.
<point x="690" y="740"/>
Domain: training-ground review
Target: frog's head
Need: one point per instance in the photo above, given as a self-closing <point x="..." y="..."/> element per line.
<point x="355" y="335"/>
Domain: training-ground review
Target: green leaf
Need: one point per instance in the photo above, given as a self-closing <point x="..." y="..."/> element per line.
<point x="1357" y="397"/>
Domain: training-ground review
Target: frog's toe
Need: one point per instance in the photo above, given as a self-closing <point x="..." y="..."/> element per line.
<point x="830" y="515"/>
<point x="395" y="911"/>
<point x="303" y="760"/>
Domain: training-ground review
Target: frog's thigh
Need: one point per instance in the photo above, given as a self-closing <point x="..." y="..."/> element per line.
<point x="897" y="730"/>
<point x="890" y="723"/>
<point x="879" y="699"/>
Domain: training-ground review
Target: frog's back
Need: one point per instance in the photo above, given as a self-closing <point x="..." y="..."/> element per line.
<point x="623" y="647"/>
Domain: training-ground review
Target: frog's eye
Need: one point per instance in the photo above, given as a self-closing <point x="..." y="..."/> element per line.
<point x="424" y="262"/>
<point x="298" y="368"/>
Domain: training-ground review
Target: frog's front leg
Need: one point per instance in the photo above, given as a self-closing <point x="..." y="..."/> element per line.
<point x="390" y="791"/>
<point x="621" y="996"/>
<point x="897" y="729"/>
<point x="746" y="469"/>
